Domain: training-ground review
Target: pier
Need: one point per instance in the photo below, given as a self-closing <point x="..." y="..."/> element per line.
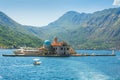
<point x="78" y="55"/>
<point x="22" y="55"/>
<point x="72" y="55"/>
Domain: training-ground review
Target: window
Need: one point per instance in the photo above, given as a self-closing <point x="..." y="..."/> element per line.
<point x="54" y="48"/>
<point x="67" y="48"/>
<point x="61" y="48"/>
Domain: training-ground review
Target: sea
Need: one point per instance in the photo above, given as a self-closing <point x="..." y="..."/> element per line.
<point x="61" y="68"/>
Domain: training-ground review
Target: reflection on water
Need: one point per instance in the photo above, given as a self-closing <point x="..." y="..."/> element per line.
<point x="59" y="68"/>
<point x="0" y="77"/>
<point x="27" y="65"/>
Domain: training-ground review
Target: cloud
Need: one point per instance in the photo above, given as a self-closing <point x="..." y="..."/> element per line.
<point x="116" y="3"/>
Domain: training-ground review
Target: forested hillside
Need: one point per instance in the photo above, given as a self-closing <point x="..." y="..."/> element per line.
<point x="14" y="35"/>
<point x="98" y="30"/>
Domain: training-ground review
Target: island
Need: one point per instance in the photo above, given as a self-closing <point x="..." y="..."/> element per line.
<point x="54" y="49"/>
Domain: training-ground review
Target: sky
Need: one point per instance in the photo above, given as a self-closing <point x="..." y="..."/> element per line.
<point x="42" y="12"/>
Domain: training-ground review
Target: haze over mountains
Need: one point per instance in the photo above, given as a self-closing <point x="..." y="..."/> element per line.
<point x="98" y="30"/>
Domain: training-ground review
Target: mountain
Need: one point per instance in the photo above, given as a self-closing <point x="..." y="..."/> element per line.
<point x="98" y="30"/>
<point x="14" y="35"/>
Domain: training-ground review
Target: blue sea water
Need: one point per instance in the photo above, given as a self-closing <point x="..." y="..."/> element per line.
<point x="61" y="68"/>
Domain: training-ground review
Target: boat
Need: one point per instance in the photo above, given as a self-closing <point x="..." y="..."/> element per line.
<point x="36" y="61"/>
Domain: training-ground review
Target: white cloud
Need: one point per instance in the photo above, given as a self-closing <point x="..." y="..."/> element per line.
<point x="116" y="2"/>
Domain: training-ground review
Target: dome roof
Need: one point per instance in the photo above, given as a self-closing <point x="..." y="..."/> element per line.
<point x="47" y="42"/>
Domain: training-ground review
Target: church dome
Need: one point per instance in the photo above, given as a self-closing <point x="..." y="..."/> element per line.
<point x="47" y="42"/>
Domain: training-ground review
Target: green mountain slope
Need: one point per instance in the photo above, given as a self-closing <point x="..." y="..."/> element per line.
<point x="14" y="35"/>
<point x="99" y="30"/>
